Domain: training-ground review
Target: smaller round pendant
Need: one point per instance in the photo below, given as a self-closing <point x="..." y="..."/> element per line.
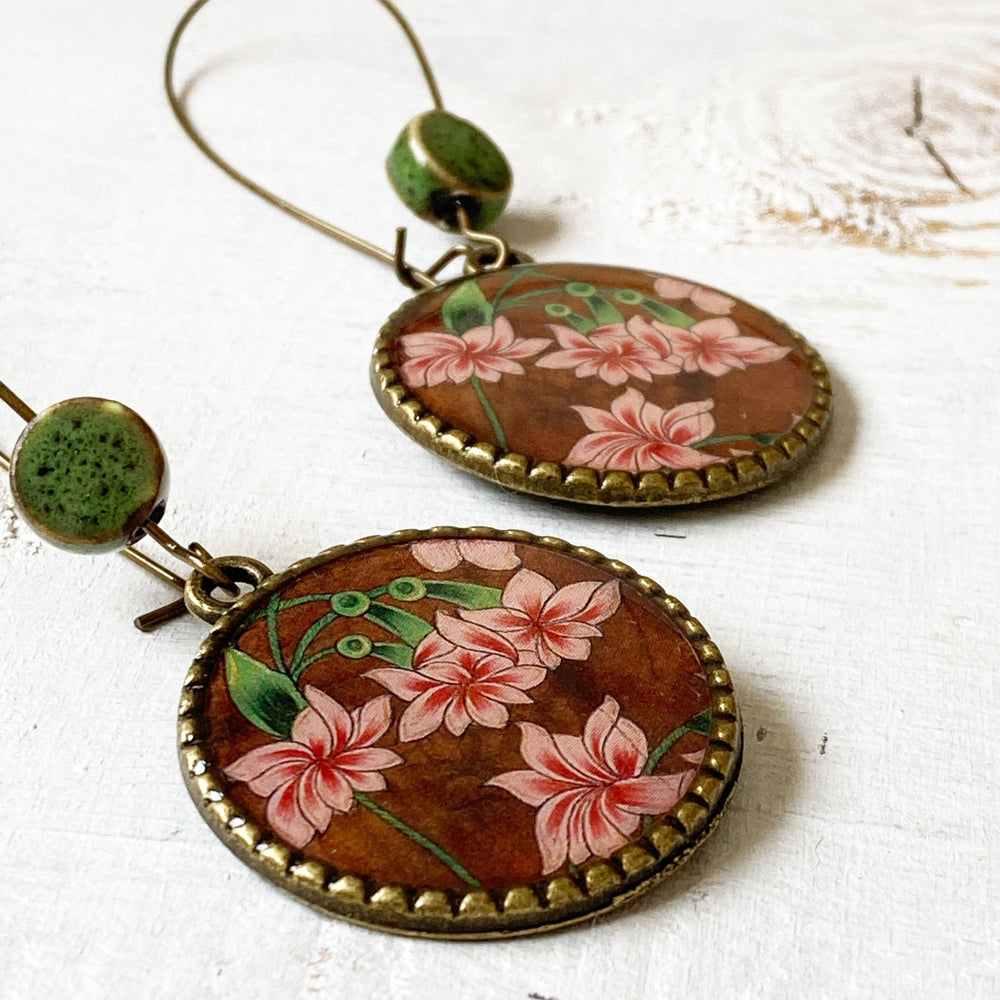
<point x="602" y="385"/>
<point x="460" y="733"/>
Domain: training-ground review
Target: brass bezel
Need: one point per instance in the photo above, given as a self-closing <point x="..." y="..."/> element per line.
<point x="600" y="886"/>
<point x="666" y="487"/>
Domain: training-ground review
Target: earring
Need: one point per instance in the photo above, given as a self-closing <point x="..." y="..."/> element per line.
<point x="601" y="385"/>
<point x="430" y="732"/>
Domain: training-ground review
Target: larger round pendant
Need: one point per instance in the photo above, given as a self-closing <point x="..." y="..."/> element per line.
<point x="460" y="733"/>
<point x="602" y="384"/>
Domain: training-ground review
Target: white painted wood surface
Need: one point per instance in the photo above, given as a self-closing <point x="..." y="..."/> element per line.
<point x="760" y="147"/>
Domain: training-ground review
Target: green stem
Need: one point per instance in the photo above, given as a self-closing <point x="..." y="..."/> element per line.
<point x="728" y="438"/>
<point x="309" y="598"/>
<point x="517" y="300"/>
<point x="310" y="660"/>
<point x="490" y="412"/>
<point x="513" y="279"/>
<point x="696" y="724"/>
<point x="298" y="660"/>
<point x="272" y="633"/>
<point x="418" y="838"/>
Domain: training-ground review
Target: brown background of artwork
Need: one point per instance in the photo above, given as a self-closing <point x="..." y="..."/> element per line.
<point x="642" y="660"/>
<point x="534" y="408"/>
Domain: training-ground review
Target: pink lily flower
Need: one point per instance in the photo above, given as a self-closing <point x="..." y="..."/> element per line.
<point x="673" y="289"/>
<point x="639" y="436"/>
<point x="442" y="554"/>
<point x="590" y="791"/>
<point x="545" y="624"/>
<point x="484" y="351"/>
<point x="315" y="774"/>
<point x="716" y="346"/>
<point x="612" y="353"/>
<point x="463" y="673"/>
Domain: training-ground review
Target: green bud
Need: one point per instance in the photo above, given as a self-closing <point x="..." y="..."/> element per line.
<point x="350" y="603"/>
<point x="354" y="647"/>
<point x="407" y="588"/>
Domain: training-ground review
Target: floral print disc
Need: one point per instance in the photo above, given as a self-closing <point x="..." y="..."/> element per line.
<point x="602" y="384"/>
<point x="460" y="732"/>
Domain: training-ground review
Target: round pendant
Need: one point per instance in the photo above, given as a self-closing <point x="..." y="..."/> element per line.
<point x="602" y="384"/>
<point x="460" y="733"/>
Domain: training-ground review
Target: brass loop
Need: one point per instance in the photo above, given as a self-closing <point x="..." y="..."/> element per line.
<point x="199" y="591"/>
<point x="493" y="256"/>
<point x="195" y="555"/>
<point x="500" y="247"/>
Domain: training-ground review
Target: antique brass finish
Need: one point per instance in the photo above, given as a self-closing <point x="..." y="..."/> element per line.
<point x="726" y="478"/>
<point x="598" y="886"/>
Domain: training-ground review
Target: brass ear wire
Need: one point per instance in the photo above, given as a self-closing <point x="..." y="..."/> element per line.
<point x="407" y="274"/>
<point x="195" y="554"/>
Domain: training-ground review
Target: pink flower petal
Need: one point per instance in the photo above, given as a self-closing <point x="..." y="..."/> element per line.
<point x="601" y="835"/>
<point x="425" y="714"/>
<point x="485" y="711"/>
<point x="277" y="777"/>
<point x="712" y="301"/>
<point x="529" y="786"/>
<point x="456" y="717"/>
<point x="651" y="794"/>
<point x="366" y="759"/>
<point x="437" y="555"/>
<point x="366" y="781"/>
<point x="333" y="788"/>
<point x="625" y="751"/>
<point x="332" y="713"/>
<point x="528" y="591"/>
<point x="521" y="676"/>
<point x="489" y="554"/>
<point x="497" y="619"/>
<point x="405" y="684"/>
<point x="590" y="791"/>
<point x="638" y="436"/>
<point x="287" y="819"/>
<point x="370" y="721"/>
<point x="469" y="635"/>
<point x="433" y="646"/>
<point x="539" y="752"/>
<point x="312" y="732"/>
<point x="569" y="601"/>
<point x="311" y="803"/>
<point x="552" y="830"/>
<point x="259" y="761"/>
<point x="673" y="288"/>
<point x="599" y="723"/>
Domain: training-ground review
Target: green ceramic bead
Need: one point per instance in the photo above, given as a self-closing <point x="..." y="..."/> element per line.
<point x="440" y="162"/>
<point x="87" y="474"/>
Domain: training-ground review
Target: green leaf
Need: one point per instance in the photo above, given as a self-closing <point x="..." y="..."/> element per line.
<point x="466" y="308"/>
<point x="701" y="723"/>
<point x="265" y="697"/>
<point x="273" y="607"/>
<point x="465" y="595"/>
<point x="581" y="324"/>
<point x="761" y="439"/>
<point x="668" y="314"/>
<point x="604" y="312"/>
<point x="395" y="653"/>
<point x="409" y="628"/>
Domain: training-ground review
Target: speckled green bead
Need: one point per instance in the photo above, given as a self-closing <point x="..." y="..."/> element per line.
<point x="87" y="474"/>
<point x="441" y="161"/>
